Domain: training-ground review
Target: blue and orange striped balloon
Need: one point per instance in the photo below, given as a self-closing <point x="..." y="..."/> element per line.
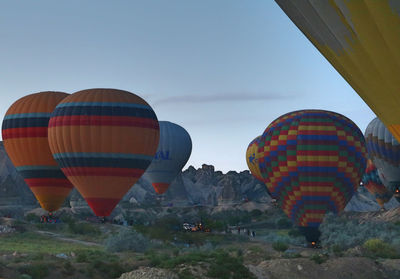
<point x="384" y="151"/>
<point x="312" y="162"/>
<point x="25" y="140"/>
<point x="103" y="140"/>
<point x="173" y="152"/>
<point x="372" y="182"/>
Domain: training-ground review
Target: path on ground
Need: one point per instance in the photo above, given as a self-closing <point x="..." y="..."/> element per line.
<point x="62" y="237"/>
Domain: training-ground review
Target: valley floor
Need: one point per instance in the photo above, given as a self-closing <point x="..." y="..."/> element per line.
<point x="80" y="249"/>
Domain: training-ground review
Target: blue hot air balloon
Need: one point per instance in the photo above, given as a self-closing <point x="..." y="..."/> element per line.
<point x="174" y="149"/>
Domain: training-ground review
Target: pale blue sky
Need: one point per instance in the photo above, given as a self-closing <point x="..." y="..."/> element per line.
<point x="221" y="69"/>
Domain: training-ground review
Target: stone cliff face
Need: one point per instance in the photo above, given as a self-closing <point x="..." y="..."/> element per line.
<point x="203" y="186"/>
<point x="12" y="185"/>
<point x="14" y="193"/>
<point x="363" y="201"/>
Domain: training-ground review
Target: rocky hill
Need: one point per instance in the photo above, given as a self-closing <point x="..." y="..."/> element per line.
<point x="14" y="193"/>
<point x="204" y="186"/>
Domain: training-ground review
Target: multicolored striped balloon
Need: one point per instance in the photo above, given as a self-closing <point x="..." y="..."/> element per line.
<point x="103" y="140"/>
<point x="384" y="151"/>
<point x="252" y="158"/>
<point x="374" y="185"/>
<point x="312" y="162"/>
<point x="25" y="140"/>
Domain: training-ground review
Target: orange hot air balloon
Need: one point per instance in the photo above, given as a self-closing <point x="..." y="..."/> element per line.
<point x="103" y="140"/>
<point x="24" y="133"/>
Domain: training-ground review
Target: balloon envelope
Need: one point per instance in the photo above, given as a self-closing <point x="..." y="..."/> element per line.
<point x="103" y="140"/>
<point x="25" y="140"/>
<point x="312" y="162"/>
<point x="374" y="185"/>
<point x="361" y="40"/>
<point x="384" y="151"/>
<point x="252" y="158"/>
<point x="172" y="154"/>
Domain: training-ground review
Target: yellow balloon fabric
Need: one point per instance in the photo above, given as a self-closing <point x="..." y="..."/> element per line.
<point x="361" y="39"/>
<point x="252" y="158"/>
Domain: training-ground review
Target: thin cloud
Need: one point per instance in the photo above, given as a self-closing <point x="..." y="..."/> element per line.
<point x="213" y="98"/>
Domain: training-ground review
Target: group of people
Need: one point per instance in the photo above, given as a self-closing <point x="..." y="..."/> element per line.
<point x="49" y="219"/>
<point x="252" y="233"/>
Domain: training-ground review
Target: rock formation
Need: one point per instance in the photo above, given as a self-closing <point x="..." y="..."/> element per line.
<point x="204" y="186"/>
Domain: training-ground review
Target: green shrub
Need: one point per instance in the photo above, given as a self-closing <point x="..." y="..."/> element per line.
<point x="68" y="269"/>
<point x="224" y="266"/>
<point x="186" y="274"/>
<point x="82" y="228"/>
<point x="19" y="226"/>
<point x="378" y="248"/>
<point x="215" y="225"/>
<point x="256" y="249"/>
<point x="350" y="233"/>
<point x="30" y="217"/>
<point x="175" y="252"/>
<point x="291" y="255"/>
<point x="88" y="256"/>
<point x="169" y="222"/>
<point x="231" y="217"/>
<point x="66" y="218"/>
<point x="280" y="246"/>
<point x="275" y="236"/>
<point x="38" y="256"/>
<point x="161" y="260"/>
<point x="36" y="271"/>
<point x="294" y="233"/>
<point x="112" y="269"/>
<point x="256" y="213"/>
<point x="127" y="240"/>
<point x="284" y="223"/>
<point x="337" y="250"/>
<point x="319" y="258"/>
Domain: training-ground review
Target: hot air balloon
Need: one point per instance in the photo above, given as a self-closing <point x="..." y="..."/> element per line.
<point x="384" y="151"/>
<point x="252" y="158"/>
<point x="312" y="161"/>
<point x="103" y="140"/>
<point x="24" y="133"/>
<point x="361" y="39"/>
<point x="252" y="161"/>
<point x="173" y="152"/>
<point x="374" y="185"/>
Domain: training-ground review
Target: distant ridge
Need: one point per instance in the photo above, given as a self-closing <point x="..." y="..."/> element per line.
<point x="193" y="187"/>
